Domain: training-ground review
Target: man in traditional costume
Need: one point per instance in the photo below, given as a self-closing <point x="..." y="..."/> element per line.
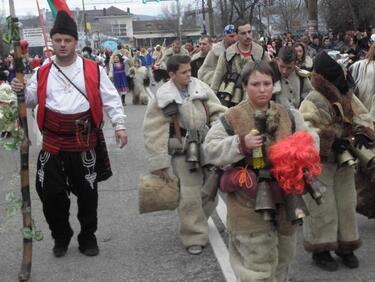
<point x="71" y="93"/>
<point x="226" y="82"/>
<point x="342" y="123"/>
<point x="175" y="120"/>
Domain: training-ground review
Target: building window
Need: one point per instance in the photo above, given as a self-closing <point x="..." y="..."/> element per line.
<point x="119" y="30"/>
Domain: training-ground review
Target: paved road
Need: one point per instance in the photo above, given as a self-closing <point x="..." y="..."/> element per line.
<point x="138" y="247"/>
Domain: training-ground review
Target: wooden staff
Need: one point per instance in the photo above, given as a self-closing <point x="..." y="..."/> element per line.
<point x="14" y="36"/>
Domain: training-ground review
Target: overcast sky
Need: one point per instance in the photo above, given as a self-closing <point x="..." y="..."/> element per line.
<point x="24" y="7"/>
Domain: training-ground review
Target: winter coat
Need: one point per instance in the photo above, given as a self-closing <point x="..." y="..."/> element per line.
<point x="196" y="63"/>
<point x="207" y="70"/>
<point x="191" y="115"/>
<point x="169" y="53"/>
<point x="232" y="57"/>
<point x="292" y="90"/>
<point x="321" y="109"/>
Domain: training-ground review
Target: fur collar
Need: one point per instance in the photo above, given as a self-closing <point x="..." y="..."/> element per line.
<point x="168" y="92"/>
<point x="333" y="95"/>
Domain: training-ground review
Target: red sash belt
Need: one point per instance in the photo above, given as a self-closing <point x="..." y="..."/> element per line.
<point x="66" y="132"/>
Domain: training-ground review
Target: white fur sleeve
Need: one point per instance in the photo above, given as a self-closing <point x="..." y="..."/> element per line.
<point x="219" y="148"/>
<point x="302" y="126"/>
<point x="156" y="135"/>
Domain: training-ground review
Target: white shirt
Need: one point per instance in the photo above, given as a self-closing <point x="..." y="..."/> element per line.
<point x="62" y="97"/>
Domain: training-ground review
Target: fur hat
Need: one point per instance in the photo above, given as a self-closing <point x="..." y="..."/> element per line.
<point x="331" y="71"/>
<point x="64" y="24"/>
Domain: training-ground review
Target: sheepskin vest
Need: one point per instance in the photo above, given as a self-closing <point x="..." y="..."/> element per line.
<point x="241" y="214"/>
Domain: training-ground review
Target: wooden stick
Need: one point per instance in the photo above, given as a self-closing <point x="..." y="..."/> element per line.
<point x="24" y="274"/>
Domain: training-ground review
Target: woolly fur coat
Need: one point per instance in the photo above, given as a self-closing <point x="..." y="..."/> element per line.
<point x="207" y="70"/>
<point x="238" y="62"/>
<point x="331" y="114"/>
<point x="191" y="115"/>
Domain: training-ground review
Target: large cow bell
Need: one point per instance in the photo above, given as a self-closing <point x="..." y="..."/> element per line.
<point x="264" y="201"/>
<point x="296" y="208"/>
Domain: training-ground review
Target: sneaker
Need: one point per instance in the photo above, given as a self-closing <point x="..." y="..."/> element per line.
<point x="325" y="261"/>
<point x="89" y="251"/>
<point x="194" y="250"/>
<point x="349" y="259"/>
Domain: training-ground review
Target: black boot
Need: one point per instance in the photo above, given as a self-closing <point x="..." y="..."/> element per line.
<point x="88" y="245"/>
<point x="325" y="261"/>
<point x="349" y="259"/>
<point x="60" y="248"/>
<point x="61" y="245"/>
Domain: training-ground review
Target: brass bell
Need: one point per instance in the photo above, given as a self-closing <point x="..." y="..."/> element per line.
<point x="222" y="87"/>
<point x="192" y="149"/>
<point x="211" y="182"/>
<point x="346" y="159"/>
<point x="365" y="156"/>
<point x="296" y="208"/>
<point x="315" y="189"/>
<point x="192" y="155"/>
<point x="264" y="201"/>
<point x="237" y="96"/>
<point x="229" y="89"/>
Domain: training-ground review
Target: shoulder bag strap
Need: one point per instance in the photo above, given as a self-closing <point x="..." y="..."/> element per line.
<point x="71" y="82"/>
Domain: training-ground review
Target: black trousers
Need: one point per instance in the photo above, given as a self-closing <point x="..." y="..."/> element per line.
<point x="57" y="177"/>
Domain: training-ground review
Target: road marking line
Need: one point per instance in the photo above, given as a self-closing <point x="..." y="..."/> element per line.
<point x="221" y="210"/>
<point x="220" y="251"/>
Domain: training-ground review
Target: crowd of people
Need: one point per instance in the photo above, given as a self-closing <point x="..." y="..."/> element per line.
<point x="220" y="110"/>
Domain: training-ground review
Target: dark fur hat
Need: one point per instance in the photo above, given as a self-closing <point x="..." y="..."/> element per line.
<point x="64" y="24"/>
<point x="331" y="71"/>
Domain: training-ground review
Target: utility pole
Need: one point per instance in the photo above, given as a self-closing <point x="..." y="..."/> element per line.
<point x="204" y="18"/>
<point x="211" y="18"/>
<point x="312" y="8"/>
<point x="179" y="20"/>
<point x="87" y="42"/>
<point x="12" y="11"/>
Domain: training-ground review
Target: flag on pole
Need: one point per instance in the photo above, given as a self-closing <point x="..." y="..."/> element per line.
<point x="59" y="5"/>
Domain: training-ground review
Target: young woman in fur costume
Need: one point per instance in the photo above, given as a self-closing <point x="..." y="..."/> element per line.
<point x="259" y="250"/>
<point x="342" y="122"/>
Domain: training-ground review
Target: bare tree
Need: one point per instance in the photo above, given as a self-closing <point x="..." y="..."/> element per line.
<point x="342" y="15"/>
<point x="231" y="11"/>
<point x="170" y="16"/>
<point x="289" y="15"/>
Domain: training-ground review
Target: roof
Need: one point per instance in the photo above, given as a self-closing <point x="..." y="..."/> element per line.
<point x="111" y="11"/>
<point x="158" y="26"/>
